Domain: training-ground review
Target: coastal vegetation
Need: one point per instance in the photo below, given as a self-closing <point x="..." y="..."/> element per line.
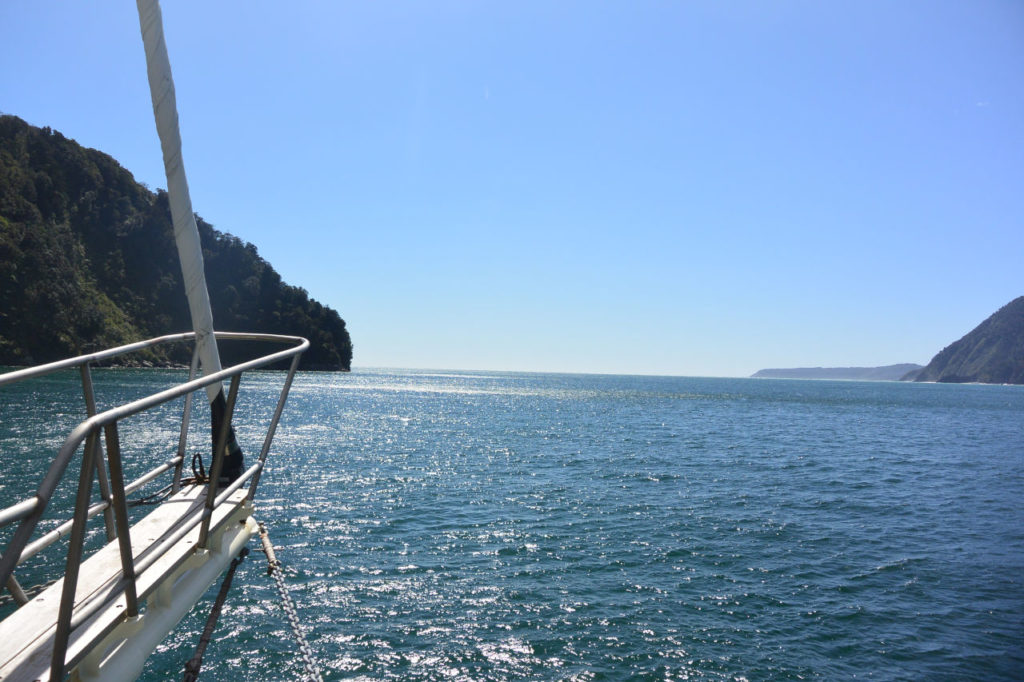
<point x="88" y="261"/>
<point x="992" y="353"/>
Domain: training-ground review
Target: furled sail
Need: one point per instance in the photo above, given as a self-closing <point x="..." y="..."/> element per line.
<point x="186" y="234"/>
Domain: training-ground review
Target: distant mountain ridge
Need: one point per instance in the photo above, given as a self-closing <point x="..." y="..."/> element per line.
<point x="887" y="373"/>
<point x="992" y="353"/>
<point x="88" y="261"/>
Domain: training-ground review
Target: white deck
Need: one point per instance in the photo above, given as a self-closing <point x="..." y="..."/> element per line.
<point x="27" y="636"/>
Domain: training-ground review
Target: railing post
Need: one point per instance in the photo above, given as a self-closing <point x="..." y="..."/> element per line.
<point x="121" y="515"/>
<point x="218" y="462"/>
<point x="18" y="594"/>
<point x="186" y="418"/>
<point x="67" y="598"/>
<point x="85" y="439"/>
<point x="273" y="425"/>
<point x="101" y="474"/>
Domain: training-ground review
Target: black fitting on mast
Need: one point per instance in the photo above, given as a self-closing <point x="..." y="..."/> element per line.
<point x="233" y="460"/>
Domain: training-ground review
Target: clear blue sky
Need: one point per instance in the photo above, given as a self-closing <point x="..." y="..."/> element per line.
<point x="696" y="188"/>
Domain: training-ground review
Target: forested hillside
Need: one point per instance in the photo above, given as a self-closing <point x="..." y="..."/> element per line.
<point x="87" y="261"/>
<point x="992" y="353"/>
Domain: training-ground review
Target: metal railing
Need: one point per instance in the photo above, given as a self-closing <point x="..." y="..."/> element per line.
<point x="113" y="490"/>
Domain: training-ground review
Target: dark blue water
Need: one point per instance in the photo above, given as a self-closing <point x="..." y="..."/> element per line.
<point x="493" y="526"/>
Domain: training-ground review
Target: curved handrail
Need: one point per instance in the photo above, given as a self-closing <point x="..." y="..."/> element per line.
<point x="91" y="358"/>
<point x="30" y="511"/>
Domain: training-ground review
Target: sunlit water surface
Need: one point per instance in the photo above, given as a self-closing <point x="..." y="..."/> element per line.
<point x="492" y="526"/>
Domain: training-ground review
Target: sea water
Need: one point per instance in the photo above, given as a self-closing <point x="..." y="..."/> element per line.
<point x="508" y="526"/>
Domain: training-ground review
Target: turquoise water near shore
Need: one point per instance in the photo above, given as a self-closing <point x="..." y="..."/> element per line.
<point x="505" y="526"/>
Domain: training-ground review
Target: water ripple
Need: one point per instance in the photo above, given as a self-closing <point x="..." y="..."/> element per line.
<point x="488" y="526"/>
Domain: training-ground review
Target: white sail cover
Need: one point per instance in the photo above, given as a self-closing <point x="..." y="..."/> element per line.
<point x="186" y="234"/>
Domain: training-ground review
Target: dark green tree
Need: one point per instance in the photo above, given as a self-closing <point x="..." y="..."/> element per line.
<point x="87" y="261"/>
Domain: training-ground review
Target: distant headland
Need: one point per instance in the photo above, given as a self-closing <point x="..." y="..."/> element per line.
<point x="887" y="373"/>
<point x="992" y="353"/>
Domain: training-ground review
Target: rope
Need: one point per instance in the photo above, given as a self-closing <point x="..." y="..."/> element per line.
<point x="192" y="667"/>
<point x="161" y="495"/>
<point x="200" y="473"/>
<point x="274" y="570"/>
<point x="153" y="498"/>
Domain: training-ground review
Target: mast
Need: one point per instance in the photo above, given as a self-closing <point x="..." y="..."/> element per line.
<point x="186" y="233"/>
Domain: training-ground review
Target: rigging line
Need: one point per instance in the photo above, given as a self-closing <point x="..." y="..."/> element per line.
<point x="196" y="662"/>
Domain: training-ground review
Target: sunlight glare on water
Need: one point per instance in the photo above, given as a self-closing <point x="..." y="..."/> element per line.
<point x="492" y="526"/>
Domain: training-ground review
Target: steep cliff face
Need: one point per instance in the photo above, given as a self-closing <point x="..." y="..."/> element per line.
<point x="993" y="353"/>
<point x="87" y="261"/>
